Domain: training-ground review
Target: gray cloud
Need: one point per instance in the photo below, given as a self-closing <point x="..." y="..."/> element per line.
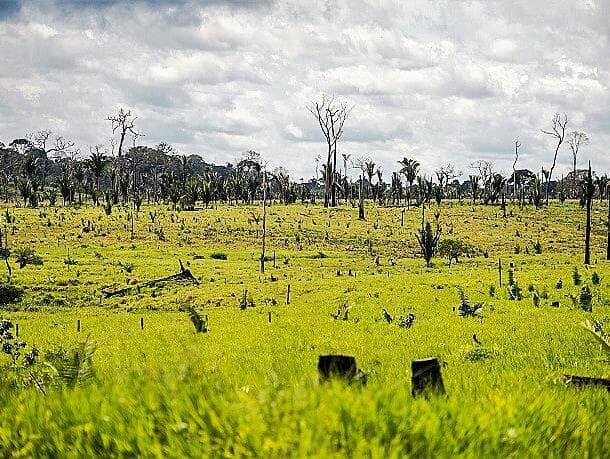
<point x="9" y="8"/>
<point x="443" y="82"/>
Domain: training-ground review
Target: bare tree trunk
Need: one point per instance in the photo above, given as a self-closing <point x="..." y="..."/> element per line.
<point x="608" y="240"/>
<point x="517" y="145"/>
<point x="334" y="177"/>
<point x="574" y="193"/>
<point x="264" y="235"/>
<point x="589" y="198"/>
<point x="361" y="215"/>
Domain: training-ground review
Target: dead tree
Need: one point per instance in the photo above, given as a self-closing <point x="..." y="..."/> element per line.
<point x="558" y="132"/>
<point x="124" y="123"/>
<point x="608" y="224"/>
<point x="575" y="141"/>
<point x="264" y="225"/>
<point x="331" y="117"/>
<point x="589" y="189"/>
<point x="517" y="145"/>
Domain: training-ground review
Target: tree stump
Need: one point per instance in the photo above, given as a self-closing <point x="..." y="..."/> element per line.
<point x="340" y="367"/>
<point x="426" y="376"/>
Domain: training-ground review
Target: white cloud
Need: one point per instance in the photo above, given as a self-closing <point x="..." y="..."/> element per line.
<point x="443" y="82"/>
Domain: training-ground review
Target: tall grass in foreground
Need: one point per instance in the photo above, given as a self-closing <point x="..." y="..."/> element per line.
<point x="167" y="416"/>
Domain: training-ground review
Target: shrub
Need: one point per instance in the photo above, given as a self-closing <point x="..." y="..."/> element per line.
<point x="492" y="290"/>
<point x="479" y="353"/>
<point x="537" y="247"/>
<point x="536" y="298"/>
<point x="514" y="291"/>
<point x="559" y="284"/>
<point x="465" y="308"/>
<point x="453" y="249"/>
<point x="74" y="368"/>
<point x="595" y="279"/>
<point x="406" y="322"/>
<point x="586" y="299"/>
<point x="26" y="256"/>
<point x="576" y="276"/>
<point x="218" y="256"/>
<point x="10" y="293"/>
<point x="428" y="240"/>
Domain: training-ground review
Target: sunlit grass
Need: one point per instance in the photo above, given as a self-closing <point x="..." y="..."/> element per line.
<point x="250" y="387"/>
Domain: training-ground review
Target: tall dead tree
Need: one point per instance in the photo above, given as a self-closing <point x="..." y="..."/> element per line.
<point x="575" y="141"/>
<point x="331" y="117"/>
<point x="517" y="146"/>
<point x="589" y="189"/>
<point x="123" y="123"/>
<point x="558" y="131"/>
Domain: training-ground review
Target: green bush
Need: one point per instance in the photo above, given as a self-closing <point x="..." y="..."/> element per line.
<point x="26" y="256"/>
<point x="10" y="293"/>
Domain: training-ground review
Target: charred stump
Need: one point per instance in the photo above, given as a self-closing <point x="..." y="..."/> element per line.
<point x="426" y="376"/>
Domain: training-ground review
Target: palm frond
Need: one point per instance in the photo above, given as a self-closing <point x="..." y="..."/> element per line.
<point x="596" y="329"/>
<point x="78" y="369"/>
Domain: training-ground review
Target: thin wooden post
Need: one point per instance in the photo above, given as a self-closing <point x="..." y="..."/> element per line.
<point x="269" y="316"/>
<point x="288" y="294"/>
<point x="500" y="270"/>
<point x="141" y="323"/>
<point x="16" y="330"/>
<point x="78" y="325"/>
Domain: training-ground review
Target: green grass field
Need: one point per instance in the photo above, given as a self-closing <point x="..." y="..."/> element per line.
<point x="249" y="387"/>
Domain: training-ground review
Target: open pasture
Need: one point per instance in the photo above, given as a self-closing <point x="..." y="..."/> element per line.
<point x="249" y="386"/>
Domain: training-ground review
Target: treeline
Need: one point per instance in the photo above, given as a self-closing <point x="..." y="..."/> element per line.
<point x="41" y="168"/>
<point x="30" y="175"/>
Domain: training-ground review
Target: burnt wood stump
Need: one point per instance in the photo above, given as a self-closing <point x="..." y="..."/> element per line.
<point x="426" y="377"/>
<point x="341" y="367"/>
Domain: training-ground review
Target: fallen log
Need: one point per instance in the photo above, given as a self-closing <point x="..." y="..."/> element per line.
<point x="584" y="381"/>
<point x="184" y="275"/>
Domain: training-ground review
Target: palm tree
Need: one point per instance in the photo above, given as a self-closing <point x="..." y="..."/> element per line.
<point x="410" y="168"/>
<point x="97" y="165"/>
<point x="396" y="187"/>
<point x="79" y="178"/>
<point x="601" y="184"/>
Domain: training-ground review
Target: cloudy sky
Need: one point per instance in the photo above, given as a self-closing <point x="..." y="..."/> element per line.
<point x="442" y="82"/>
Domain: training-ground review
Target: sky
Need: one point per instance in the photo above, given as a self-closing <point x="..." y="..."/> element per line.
<point x="443" y="82"/>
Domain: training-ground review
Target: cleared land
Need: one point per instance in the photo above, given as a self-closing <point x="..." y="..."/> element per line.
<point x="250" y="387"/>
